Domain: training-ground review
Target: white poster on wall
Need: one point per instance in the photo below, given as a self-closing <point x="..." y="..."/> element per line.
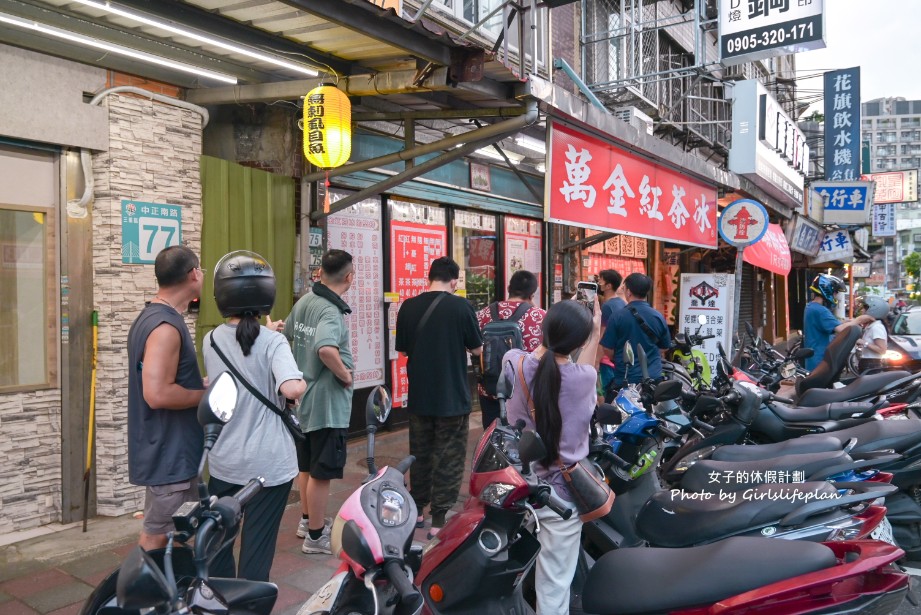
<point x="708" y="295"/>
<point x="357" y="230"/>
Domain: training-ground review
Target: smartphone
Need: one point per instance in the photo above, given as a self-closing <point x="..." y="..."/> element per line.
<point x="587" y="293"/>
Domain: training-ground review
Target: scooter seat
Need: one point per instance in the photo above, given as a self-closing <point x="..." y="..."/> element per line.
<point x="859" y="387"/>
<point x="678" y="519"/>
<point x="818" y="443"/>
<point x="833" y="412"/>
<point x="629" y="581"/>
<point x="898" y="436"/>
<point x="710" y="475"/>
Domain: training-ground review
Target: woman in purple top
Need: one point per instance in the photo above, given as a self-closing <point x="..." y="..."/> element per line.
<point x="563" y="394"/>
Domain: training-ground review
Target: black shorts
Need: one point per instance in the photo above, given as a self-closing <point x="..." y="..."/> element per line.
<point x="323" y="453"/>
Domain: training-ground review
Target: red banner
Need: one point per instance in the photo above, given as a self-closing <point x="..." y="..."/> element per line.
<point x="413" y="247"/>
<point x="771" y="252"/>
<point x="594" y="184"/>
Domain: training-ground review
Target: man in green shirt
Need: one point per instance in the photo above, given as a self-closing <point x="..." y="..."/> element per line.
<point x="321" y="345"/>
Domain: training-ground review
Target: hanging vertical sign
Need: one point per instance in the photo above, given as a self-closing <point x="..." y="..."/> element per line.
<point x="884" y="220"/>
<point x="842" y="124"/>
<point x="417" y="237"/>
<point x="357" y="230"/>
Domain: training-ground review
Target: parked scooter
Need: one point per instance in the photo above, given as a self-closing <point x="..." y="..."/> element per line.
<point x="692" y="358"/>
<point x="476" y="562"/>
<point x="176" y="580"/>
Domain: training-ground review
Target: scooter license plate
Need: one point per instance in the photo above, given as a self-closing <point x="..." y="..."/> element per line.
<point x="325" y="597"/>
<point x="883" y="532"/>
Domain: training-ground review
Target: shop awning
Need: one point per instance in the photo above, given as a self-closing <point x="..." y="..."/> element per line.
<point x="771" y="252"/>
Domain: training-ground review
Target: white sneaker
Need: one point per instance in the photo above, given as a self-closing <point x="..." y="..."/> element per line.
<point x="302" y="527"/>
<point x="320" y="545"/>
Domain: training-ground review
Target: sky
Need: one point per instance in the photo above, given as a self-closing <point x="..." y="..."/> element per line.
<point x="883" y="37"/>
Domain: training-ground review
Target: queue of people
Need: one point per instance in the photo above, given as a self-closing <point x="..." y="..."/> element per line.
<point x="305" y="361"/>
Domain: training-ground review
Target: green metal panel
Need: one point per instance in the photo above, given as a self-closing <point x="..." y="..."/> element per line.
<point x="246" y="209"/>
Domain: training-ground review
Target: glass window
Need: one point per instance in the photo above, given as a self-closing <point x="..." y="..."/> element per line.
<point x="25" y="268"/>
<point x="475" y="252"/>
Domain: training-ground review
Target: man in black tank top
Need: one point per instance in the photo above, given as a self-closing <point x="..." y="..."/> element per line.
<point x="165" y="385"/>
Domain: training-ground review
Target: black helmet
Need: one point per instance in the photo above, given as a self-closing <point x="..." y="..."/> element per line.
<point x="244" y="285"/>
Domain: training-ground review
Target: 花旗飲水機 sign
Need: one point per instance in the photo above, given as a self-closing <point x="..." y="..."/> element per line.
<point x="597" y="185"/>
<point x="148" y="228"/>
<point x="846" y="202"/>
<point x="842" y="124"/>
<point x="756" y="29"/>
<point x="743" y="222"/>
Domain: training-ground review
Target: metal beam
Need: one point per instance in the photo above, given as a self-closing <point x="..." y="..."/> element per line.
<point x="392" y="82"/>
<point x="537" y="195"/>
<point x="361" y="17"/>
<point x="588" y="241"/>
<point x="501" y="129"/>
<point x="443" y="114"/>
<point x="81" y="24"/>
<point x="493" y="131"/>
<point x="233" y="30"/>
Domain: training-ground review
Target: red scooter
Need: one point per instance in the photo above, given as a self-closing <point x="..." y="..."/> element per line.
<point x="477" y="562"/>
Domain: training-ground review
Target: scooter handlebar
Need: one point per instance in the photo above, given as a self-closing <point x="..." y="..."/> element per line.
<point x="556" y="505"/>
<point x="404" y="464"/>
<point x="249" y="491"/>
<point x="783" y="400"/>
<point x="410" y="598"/>
<point x="615" y="459"/>
<point x="665" y="431"/>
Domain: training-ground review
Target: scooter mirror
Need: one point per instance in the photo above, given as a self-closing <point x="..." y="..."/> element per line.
<point x="530" y="448"/>
<point x="608" y="414"/>
<point x="628" y="353"/>
<point x="721" y="350"/>
<point x="218" y="403"/>
<point x="749" y="329"/>
<point x="670" y="389"/>
<point x="504" y="387"/>
<point x="141" y="584"/>
<point x="701" y="319"/>
<point x="378" y="406"/>
<point x="356" y="546"/>
<point x="803" y="353"/>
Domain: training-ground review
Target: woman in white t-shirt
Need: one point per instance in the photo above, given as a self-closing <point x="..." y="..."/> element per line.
<point x="875" y="340"/>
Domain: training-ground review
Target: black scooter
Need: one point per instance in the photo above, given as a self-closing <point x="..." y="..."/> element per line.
<point x="176" y="580"/>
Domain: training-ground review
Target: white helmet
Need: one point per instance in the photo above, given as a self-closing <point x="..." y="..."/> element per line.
<point x="876" y="307"/>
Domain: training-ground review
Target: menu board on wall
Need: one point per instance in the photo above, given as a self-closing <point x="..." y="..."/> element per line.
<point x="357" y="230"/>
<point x="523" y="250"/>
<point x="417" y="237"/>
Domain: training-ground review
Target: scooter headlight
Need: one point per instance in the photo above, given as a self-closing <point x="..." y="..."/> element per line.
<point x="495" y="494"/>
<point x="788" y="370"/>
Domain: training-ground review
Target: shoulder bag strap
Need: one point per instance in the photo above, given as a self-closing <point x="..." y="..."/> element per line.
<point x="520" y="311"/>
<point x="644" y="325"/>
<point x="425" y="319"/>
<point x="494" y="311"/>
<point x="255" y="392"/>
<point x="524" y="385"/>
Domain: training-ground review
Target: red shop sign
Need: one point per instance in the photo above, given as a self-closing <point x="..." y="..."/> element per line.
<point x="594" y="184"/>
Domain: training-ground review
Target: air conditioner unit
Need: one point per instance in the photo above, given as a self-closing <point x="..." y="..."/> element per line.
<point x="635" y="118"/>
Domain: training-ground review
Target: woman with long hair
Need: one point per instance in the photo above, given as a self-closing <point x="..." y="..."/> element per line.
<point x="256" y="442"/>
<point x="561" y="391"/>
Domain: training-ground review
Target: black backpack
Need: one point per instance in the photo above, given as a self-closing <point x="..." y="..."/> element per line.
<point x="499" y="336"/>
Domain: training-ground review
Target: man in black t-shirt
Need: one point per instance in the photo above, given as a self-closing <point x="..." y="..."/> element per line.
<point x="165" y="441"/>
<point x="435" y="330"/>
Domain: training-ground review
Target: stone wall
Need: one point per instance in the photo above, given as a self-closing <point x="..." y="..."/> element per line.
<point x="30" y="439"/>
<point x="153" y="157"/>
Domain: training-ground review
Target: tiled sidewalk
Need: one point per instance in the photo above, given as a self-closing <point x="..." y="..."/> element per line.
<point x="55" y="573"/>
